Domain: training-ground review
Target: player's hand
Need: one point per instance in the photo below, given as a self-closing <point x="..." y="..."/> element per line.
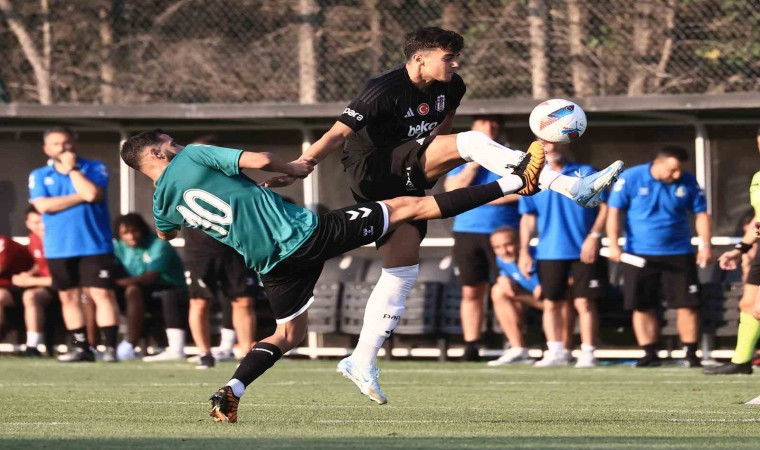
<point x="589" y="249"/>
<point x="615" y="252"/>
<point x="704" y="257"/>
<point x="302" y="167"/>
<point x="67" y="159"/>
<point x="525" y="264"/>
<point x="280" y="181"/>
<point x="20" y="279"/>
<point x="548" y="146"/>
<point x="730" y="259"/>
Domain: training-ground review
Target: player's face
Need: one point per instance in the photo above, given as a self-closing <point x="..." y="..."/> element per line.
<point x="57" y="143"/>
<point x="131" y="236"/>
<point x="667" y="170"/>
<point x="504" y="245"/>
<point x="555" y="153"/>
<point x="439" y="64"/>
<point x="34" y="224"/>
<point x="169" y="147"/>
<point x="492" y="128"/>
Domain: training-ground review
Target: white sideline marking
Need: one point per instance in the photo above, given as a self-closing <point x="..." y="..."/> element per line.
<point x="36" y="423"/>
<point x="716" y="420"/>
<point x="340" y="422"/>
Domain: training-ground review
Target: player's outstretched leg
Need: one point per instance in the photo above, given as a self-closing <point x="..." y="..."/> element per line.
<point x="386" y="304"/>
<point x="585" y="191"/>
<point x="263" y="355"/>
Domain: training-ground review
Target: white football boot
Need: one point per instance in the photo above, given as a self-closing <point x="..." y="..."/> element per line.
<point x="365" y="380"/>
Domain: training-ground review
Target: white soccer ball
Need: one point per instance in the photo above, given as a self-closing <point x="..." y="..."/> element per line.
<point x="557" y="120"/>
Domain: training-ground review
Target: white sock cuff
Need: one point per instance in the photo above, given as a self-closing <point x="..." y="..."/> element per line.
<point x="176" y="339"/>
<point x="588" y="348"/>
<point x="238" y="388"/>
<point x="467" y="140"/>
<point x="404" y="272"/>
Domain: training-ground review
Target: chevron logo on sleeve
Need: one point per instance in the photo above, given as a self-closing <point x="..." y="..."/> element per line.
<point x="356" y="214"/>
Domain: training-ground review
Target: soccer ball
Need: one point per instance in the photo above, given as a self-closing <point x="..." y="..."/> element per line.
<point x="558" y="121"/>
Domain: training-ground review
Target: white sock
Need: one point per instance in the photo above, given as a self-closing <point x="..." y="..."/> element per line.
<point x="510" y="184"/>
<point x="227" y="342"/>
<point x="33" y="339"/>
<point x="176" y="339"/>
<point x="556" y="347"/>
<point x="383" y="312"/>
<point x="549" y="179"/>
<point x="477" y="146"/>
<point x="238" y="388"/>
<point x="587" y="348"/>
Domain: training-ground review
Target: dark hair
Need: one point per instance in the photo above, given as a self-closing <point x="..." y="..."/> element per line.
<point x="62" y="130"/>
<point x="132" y="149"/>
<point x="673" y="151"/>
<point x="131" y="220"/>
<point x="432" y="38"/>
<point x="758" y="131"/>
<point x="31" y="209"/>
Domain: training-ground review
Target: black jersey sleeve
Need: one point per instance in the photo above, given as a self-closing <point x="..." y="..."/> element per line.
<point x="361" y="110"/>
<point x="457" y="90"/>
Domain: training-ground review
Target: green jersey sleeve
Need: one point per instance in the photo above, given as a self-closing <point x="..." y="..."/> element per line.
<point x="754" y="193"/>
<point x="223" y="159"/>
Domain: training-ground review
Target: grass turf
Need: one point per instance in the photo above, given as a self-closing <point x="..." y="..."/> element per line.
<point x="305" y="404"/>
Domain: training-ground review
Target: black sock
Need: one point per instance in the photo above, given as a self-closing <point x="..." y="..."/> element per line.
<point x="475" y="345"/>
<point x="691" y="349"/>
<point x="464" y="199"/>
<point x="110" y="335"/>
<point x="79" y="338"/>
<point x="650" y="349"/>
<point x="262" y="356"/>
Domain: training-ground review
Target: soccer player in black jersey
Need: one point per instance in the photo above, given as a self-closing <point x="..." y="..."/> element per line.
<point x="395" y="140"/>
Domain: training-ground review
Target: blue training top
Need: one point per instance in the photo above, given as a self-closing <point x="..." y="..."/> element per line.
<point x="657" y="213"/>
<point x="486" y="218"/>
<point x="83" y="229"/>
<point x="562" y="224"/>
<point x="510" y="269"/>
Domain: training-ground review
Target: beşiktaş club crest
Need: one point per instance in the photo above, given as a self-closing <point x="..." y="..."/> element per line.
<point x="440" y="103"/>
<point x="423" y="109"/>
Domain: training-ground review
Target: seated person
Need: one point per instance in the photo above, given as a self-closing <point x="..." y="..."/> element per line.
<point x="14" y="258"/>
<point x="510" y="294"/>
<point x="36" y="285"/>
<point x="153" y="271"/>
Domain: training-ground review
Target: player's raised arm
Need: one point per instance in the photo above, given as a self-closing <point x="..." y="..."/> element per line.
<point x="330" y="142"/>
<point x="270" y="162"/>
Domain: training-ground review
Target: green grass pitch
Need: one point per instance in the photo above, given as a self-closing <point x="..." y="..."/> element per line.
<point x="305" y="404"/>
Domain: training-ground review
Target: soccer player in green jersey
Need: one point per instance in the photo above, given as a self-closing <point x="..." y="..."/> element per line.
<point x="202" y="186"/>
<point x="749" y="326"/>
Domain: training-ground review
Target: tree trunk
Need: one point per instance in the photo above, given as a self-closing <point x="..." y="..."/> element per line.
<point x="537" y="18"/>
<point x="580" y="63"/>
<point x="643" y="24"/>
<point x="307" y="58"/>
<point x="667" y="46"/>
<point x="375" y="36"/>
<point x="107" y="69"/>
<point x="32" y="54"/>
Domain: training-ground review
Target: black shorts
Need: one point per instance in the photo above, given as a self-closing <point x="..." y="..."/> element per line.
<point x="473" y="258"/>
<point x="290" y="284"/>
<point x="672" y="278"/>
<point x="223" y="277"/>
<point x="398" y="173"/>
<point x="96" y="271"/>
<point x="589" y="280"/>
<point x="16" y="294"/>
<point x="753" y="277"/>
